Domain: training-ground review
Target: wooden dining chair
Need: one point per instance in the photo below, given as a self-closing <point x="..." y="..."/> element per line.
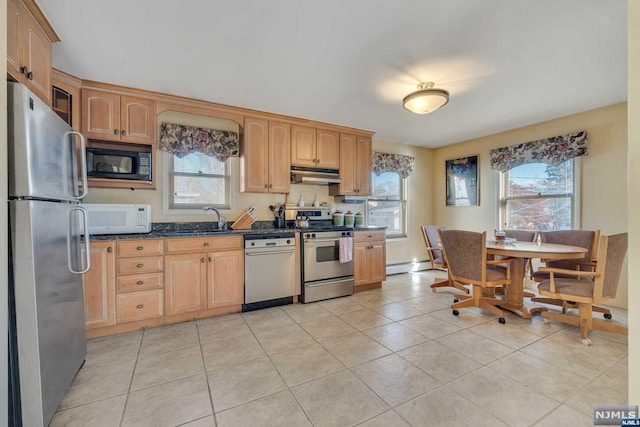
<point x="466" y="256"/>
<point x="586" y="288"/>
<point x="436" y="257"/>
<point x="582" y="238"/>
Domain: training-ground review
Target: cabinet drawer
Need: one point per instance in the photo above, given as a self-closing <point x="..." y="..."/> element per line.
<point x="139" y="265"/>
<point x="368" y="236"/>
<point x="140" y="282"/>
<point x="139" y="305"/>
<point x="131" y="248"/>
<point x="203" y="243"/>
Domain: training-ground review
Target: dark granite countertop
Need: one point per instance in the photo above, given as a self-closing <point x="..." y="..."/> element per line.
<point x="204" y="229"/>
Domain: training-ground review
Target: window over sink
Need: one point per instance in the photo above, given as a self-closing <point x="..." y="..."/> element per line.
<point x="195" y="181"/>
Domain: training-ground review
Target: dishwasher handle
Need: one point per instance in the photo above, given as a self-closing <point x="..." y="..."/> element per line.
<point x="262" y="253"/>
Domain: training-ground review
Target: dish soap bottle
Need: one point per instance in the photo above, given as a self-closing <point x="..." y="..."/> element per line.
<point x="301" y="201"/>
<point x="316" y="202"/>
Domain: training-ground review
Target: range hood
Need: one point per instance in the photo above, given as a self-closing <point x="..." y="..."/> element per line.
<point x="300" y="175"/>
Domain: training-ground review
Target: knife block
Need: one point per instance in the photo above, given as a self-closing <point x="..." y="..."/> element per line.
<point x="243" y="222"/>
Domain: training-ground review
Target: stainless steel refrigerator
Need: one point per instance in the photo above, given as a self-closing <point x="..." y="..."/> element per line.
<point x="47" y="181"/>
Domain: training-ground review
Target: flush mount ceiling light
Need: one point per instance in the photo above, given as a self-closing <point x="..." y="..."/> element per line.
<point x="426" y="99"/>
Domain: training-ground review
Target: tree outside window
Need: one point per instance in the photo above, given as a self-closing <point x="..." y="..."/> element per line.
<point x="197" y="180"/>
<point x="538" y="196"/>
<point x="387" y="204"/>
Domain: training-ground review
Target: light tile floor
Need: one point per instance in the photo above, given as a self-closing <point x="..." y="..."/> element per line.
<point x="394" y="356"/>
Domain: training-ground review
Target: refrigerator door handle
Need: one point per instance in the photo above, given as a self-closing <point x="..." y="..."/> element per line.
<point x="83" y="163"/>
<point x="85" y="223"/>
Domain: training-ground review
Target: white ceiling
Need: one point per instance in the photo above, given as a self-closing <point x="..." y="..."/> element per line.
<point x="506" y="63"/>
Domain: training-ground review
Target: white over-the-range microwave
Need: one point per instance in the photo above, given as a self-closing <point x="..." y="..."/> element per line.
<point x="118" y="218"/>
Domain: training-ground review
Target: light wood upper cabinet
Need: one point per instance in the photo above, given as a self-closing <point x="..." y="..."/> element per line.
<point x="65" y="99"/>
<point x="113" y="117"/>
<point x="328" y="149"/>
<point x="315" y="147"/>
<point x="29" y="38"/>
<point x="303" y="146"/>
<point x="265" y="157"/>
<point x="363" y="165"/>
<point x="355" y="167"/>
<point x="99" y="286"/>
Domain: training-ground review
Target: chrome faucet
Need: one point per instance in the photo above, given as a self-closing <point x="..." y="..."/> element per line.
<point x="219" y="223"/>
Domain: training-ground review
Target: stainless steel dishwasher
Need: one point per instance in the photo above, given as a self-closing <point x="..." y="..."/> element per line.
<point x="269" y="270"/>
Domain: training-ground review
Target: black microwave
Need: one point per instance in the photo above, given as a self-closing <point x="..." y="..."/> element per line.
<point x="118" y="164"/>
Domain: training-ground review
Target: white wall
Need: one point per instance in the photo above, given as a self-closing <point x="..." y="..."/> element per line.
<point x="4" y="255"/>
<point x="420" y="207"/>
<point x="634" y="198"/>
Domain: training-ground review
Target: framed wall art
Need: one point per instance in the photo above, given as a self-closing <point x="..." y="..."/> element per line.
<point x="462" y="181"/>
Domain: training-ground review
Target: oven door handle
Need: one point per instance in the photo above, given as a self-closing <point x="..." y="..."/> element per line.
<point x="263" y="253"/>
<point x="316" y="242"/>
<point x="326" y="282"/>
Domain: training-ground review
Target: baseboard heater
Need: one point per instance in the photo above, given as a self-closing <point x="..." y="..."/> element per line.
<point x="408" y="267"/>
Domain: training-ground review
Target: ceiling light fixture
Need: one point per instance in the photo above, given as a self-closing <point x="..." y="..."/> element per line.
<point x="426" y="99"/>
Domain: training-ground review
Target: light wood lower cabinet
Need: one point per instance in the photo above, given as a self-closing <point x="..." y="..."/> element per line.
<point x="201" y="280"/>
<point x="185" y="278"/>
<point x="139" y="278"/>
<point x="225" y="278"/>
<point x="139" y="305"/>
<point x="369" y="259"/>
<point x="99" y="286"/>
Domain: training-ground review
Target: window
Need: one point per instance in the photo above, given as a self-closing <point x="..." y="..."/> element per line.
<point x="197" y="180"/>
<point x="387" y="205"/>
<point x="538" y="196"/>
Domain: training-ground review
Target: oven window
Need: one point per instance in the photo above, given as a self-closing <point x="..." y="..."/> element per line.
<point x="327" y="253"/>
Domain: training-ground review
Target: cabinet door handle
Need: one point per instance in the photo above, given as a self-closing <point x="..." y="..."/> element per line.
<point x="140" y="248"/>
<point x="109" y="249"/>
<point x="140" y="265"/>
<point x="123" y="133"/>
<point x="266" y="186"/>
<point x="140" y="282"/>
<point x="140" y="306"/>
<point x="206" y="243"/>
<point x="209" y="259"/>
<point x="115" y="131"/>
<point x="203" y="260"/>
<point x="270" y="185"/>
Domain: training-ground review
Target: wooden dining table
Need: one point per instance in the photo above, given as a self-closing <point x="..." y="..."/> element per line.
<point x="514" y="293"/>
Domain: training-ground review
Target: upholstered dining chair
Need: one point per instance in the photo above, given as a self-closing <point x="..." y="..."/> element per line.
<point x="582" y="238"/>
<point x="577" y="287"/>
<point x="436" y="257"/>
<point x="466" y="256"/>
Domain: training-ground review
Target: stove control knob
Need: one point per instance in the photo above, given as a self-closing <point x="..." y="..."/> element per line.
<point x="253" y="243"/>
<point x="308" y="236"/>
<point x="288" y="241"/>
<point x="313" y="235"/>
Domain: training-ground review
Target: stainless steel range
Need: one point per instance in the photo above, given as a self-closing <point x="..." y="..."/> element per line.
<point x="324" y="276"/>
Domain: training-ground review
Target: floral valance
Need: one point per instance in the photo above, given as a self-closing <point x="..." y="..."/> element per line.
<point x="552" y="151"/>
<point x="387" y="162"/>
<point x="181" y="140"/>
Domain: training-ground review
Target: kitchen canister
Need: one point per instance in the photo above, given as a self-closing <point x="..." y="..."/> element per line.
<point x="359" y="220"/>
<point x="338" y="218"/>
<point x="349" y="219"/>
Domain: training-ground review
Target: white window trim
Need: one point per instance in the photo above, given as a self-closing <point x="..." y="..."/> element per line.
<point x="405" y="214"/>
<point x="166" y="210"/>
<point x="576" y="215"/>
